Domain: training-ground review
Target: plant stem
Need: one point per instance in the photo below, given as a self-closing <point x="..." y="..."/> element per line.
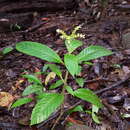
<point x="62" y="106"/>
<point x="66" y="77"/>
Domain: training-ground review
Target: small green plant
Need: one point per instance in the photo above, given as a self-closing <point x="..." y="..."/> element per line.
<point x="15" y="27"/>
<point x="5" y="51"/>
<point x="47" y="103"/>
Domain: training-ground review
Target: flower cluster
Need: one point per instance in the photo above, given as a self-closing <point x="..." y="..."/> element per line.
<point x="73" y="35"/>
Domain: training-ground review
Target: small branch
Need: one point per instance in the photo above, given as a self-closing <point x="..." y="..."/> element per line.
<point x="99" y="79"/>
<point x="66" y="77"/>
<point x="113" y="85"/>
<point x="30" y="29"/>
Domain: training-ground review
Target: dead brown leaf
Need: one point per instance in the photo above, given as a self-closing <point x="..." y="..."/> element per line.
<point x="6" y="99"/>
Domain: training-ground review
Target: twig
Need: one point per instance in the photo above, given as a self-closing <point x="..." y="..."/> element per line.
<point x="35" y="27"/>
<point x="98" y="79"/>
<point x="113" y="85"/>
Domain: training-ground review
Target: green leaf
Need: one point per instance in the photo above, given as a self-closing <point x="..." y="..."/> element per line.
<point x="21" y="102"/>
<point x="79" y="70"/>
<point x="89" y="96"/>
<point x="45" y="107"/>
<point x="72" y="44"/>
<point x="95" y="108"/>
<point x="38" y="50"/>
<point x="71" y="63"/>
<point x="56" y="85"/>
<point x="95" y="118"/>
<point x="93" y="52"/>
<point x="125" y="115"/>
<point x="54" y="68"/>
<point x="32" y="89"/>
<point x="80" y="81"/>
<point x="42" y="95"/>
<point x="78" y="108"/>
<point x="88" y="63"/>
<point x="69" y="90"/>
<point x="45" y="67"/>
<point x="7" y="50"/>
<point x="32" y="78"/>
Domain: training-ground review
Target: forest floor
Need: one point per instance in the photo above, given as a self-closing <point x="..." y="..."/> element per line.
<point x="108" y="27"/>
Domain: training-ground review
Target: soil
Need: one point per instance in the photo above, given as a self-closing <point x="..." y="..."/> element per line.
<point x="103" y="24"/>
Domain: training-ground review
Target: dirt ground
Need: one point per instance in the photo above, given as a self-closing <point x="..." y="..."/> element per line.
<point x="107" y="25"/>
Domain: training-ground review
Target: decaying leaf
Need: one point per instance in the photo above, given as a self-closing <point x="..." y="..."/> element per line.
<point x="18" y="83"/>
<point x="93" y="85"/>
<point x="5" y="99"/>
<point x="50" y="76"/>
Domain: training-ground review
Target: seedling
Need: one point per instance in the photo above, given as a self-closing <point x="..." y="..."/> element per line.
<point x="47" y="103"/>
<point x="5" y="51"/>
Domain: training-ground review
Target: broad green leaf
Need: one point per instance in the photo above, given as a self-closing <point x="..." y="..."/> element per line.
<point x="71" y="63"/>
<point x="89" y="96"/>
<point x="7" y="50"/>
<point x="45" y="107"/>
<point x="72" y="44"/>
<point x="38" y="50"/>
<point x="32" y="89"/>
<point x="93" y="52"/>
<point x="21" y="102"/>
<point x="80" y="81"/>
<point x="32" y="78"/>
<point x="54" y="68"/>
<point x="69" y="90"/>
<point x="79" y="70"/>
<point x="56" y="85"/>
<point x="42" y="95"/>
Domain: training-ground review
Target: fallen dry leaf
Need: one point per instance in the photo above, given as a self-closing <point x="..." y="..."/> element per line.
<point x="5" y="99"/>
<point x="93" y="85"/>
<point x="18" y="83"/>
<point x="50" y="76"/>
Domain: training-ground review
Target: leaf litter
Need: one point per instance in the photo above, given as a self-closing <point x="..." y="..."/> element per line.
<point x="108" y="77"/>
